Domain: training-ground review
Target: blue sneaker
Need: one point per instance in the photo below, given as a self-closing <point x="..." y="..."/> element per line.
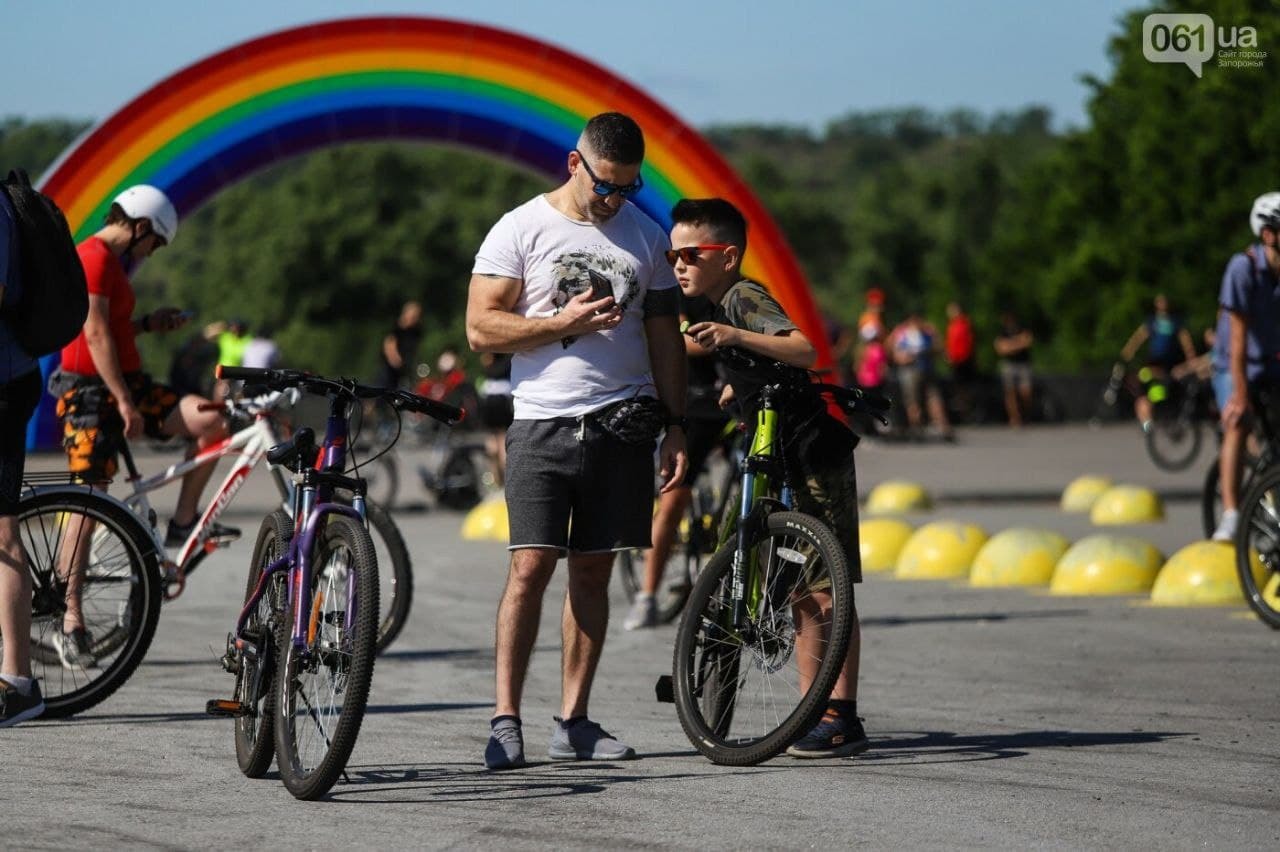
<point x="833" y="736"/>
<point x="506" y="744"/>
<point x="582" y="739"/>
<point x="16" y="707"/>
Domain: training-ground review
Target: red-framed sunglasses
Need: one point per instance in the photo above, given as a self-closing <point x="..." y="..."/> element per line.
<point x="690" y="254"/>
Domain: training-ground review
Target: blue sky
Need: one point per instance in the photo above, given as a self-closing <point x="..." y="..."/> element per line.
<point x="715" y="61"/>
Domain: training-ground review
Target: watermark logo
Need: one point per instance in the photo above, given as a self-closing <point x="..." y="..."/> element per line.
<point x="1192" y="40"/>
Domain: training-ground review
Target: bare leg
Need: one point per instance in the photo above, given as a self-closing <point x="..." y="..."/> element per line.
<point x="586" y="615"/>
<point x="518" y="617"/>
<point x="671" y="508"/>
<point x="207" y="427"/>
<point x="813" y="621"/>
<point x="15" y="601"/>
<point x="1011" y="406"/>
<point x="70" y="563"/>
<point x="1229" y="459"/>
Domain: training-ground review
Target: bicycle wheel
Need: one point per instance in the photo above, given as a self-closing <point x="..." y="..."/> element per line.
<point x="1173" y="441"/>
<point x="382" y="480"/>
<point x="395" y="574"/>
<point x="458" y="487"/>
<point x="324" y="679"/>
<point x="255" y="680"/>
<point x="119" y="598"/>
<point x="1211" y="492"/>
<point x="1258" y="538"/>
<point x="740" y="692"/>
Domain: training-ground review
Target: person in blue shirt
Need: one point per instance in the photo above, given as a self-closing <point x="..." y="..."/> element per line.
<point x="1247" y="351"/>
<point x="20" y="389"/>
<point x="1168" y="345"/>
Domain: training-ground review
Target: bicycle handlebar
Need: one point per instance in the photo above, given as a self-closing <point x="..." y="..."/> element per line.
<point x="401" y="400"/>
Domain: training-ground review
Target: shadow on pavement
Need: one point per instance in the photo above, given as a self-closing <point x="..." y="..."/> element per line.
<point x="899" y="620"/>
<point x="470" y="782"/>
<point x="910" y="747"/>
<point x="454" y="653"/>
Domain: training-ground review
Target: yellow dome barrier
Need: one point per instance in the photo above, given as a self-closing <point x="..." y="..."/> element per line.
<point x="880" y="540"/>
<point x="487" y="521"/>
<point x="1126" y="504"/>
<point x="1019" y="556"/>
<point x="1203" y="574"/>
<point x="1082" y="492"/>
<point x="895" y="496"/>
<point x="942" y="550"/>
<point x="1106" y="565"/>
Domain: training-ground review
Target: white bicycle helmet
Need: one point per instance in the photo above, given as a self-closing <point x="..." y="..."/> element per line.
<point x="146" y="202"/>
<point x="1266" y="211"/>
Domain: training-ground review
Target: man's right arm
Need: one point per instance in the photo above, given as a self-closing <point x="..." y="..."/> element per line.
<point x="102" y="349"/>
<point x="493" y="326"/>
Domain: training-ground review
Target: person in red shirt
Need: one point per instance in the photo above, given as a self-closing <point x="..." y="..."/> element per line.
<point x="960" y="354"/>
<point x="105" y="395"/>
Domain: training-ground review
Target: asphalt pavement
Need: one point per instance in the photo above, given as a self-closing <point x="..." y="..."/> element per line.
<point x="998" y="718"/>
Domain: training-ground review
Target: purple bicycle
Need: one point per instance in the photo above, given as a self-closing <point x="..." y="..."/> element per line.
<point x="303" y="647"/>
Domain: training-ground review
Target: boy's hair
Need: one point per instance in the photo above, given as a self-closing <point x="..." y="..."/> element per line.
<point x="726" y="222"/>
<point x="614" y="137"/>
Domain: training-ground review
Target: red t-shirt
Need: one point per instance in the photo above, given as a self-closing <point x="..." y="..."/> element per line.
<point x="106" y="278"/>
<point x="959" y="340"/>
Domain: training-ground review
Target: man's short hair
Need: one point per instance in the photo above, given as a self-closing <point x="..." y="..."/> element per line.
<point x="726" y="222"/>
<point x="615" y="137"/>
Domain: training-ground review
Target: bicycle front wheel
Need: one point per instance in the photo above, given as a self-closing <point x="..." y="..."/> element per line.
<point x="255" y="679"/>
<point x="1173" y="441"/>
<point x="85" y="541"/>
<point x="324" y="674"/>
<point x="744" y="692"/>
<point x="1258" y="546"/>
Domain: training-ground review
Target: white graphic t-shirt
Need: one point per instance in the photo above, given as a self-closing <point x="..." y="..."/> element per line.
<point x="557" y="258"/>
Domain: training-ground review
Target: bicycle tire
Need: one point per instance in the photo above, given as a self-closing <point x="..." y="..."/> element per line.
<point x="122" y="626"/>
<point x="255" y="733"/>
<point x="1173" y="443"/>
<point x="1211" y="500"/>
<point x="711" y="666"/>
<point x="382" y="480"/>
<point x="458" y="487"/>
<point x="395" y="574"/>
<point x="311" y="755"/>
<point x="1259" y="534"/>
<point x="676" y="585"/>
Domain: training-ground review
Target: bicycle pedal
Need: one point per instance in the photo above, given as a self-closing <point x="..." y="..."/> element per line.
<point x="226" y="708"/>
<point x="665" y="690"/>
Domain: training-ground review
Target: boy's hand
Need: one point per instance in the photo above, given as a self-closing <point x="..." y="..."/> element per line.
<point x="168" y="319"/>
<point x="584" y="314"/>
<point x="714" y="335"/>
<point x="726" y="396"/>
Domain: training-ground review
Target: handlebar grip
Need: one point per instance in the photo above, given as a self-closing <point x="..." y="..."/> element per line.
<point x="442" y="411"/>
<point x="210" y="406"/>
<point x="248" y="374"/>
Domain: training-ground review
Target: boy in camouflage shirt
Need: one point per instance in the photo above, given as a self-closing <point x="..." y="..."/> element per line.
<point x="709" y="239"/>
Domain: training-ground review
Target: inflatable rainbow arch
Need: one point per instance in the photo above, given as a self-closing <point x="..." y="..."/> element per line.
<point x="484" y="89"/>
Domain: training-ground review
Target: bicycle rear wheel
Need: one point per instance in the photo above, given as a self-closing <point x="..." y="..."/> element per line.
<point x="1258" y="538"/>
<point x="324" y="679"/>
<point x="266" y="626"/>
<point x="395" y="574"/>
<point x="744" y="693"/>
<point x="64" y="532"/>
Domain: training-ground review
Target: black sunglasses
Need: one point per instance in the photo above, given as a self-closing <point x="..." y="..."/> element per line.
<point x="606" y="188"/>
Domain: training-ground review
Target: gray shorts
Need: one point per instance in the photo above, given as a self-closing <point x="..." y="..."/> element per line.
<point x="574" y="488"/>
<point x="1015" y="374"/>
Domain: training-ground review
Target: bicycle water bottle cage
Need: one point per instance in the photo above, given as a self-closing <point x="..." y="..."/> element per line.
<point x="302" y="444"/>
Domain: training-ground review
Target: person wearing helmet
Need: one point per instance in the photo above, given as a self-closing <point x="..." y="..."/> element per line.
<point x="1247" y="345"/>
<point x="103" y="394"/>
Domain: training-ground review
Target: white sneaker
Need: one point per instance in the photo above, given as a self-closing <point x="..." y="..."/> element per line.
<point x="643" y="613"/>
<point x="1226" y="530"/>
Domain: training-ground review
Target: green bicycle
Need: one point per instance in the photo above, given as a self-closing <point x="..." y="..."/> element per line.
<point x="766" y="628"/>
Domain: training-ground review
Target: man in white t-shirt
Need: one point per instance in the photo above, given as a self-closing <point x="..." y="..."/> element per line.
<point x="574" y="283"/>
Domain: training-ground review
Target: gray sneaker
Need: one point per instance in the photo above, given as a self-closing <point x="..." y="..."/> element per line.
<point x="75" y="649"/>
<point x="643" y="613"/>
<point x="582" y="739"/>
<point x="506" y="744"/>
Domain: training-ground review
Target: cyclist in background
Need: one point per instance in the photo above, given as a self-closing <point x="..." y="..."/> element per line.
<point x="101" y="377"/>
<point x="496" y="409"/>
<point x="400" y="347"/>
<point x="1168" y="344"/>
<point x="1246" y="346"/>
<point x="709" y="238"/>
<point x="707" y="423"/>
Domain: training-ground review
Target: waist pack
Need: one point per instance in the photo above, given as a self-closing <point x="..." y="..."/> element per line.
<point x="635" y="421"/>
<point x="55" y="297"/>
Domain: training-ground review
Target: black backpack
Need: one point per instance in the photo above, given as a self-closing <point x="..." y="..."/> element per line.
<point x="55" y="297"/>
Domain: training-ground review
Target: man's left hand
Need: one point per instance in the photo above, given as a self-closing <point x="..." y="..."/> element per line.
<point x="674" y="460"/>
<point x="167" y="319"/>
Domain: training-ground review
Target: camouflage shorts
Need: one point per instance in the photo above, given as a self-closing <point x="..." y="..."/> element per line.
<point x="830" y="494"/>
<point x="91" y="433"/>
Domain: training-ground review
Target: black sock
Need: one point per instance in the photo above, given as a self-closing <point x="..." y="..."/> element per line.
<point x="570" y="722"/>
<point x="843" y="708"/>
